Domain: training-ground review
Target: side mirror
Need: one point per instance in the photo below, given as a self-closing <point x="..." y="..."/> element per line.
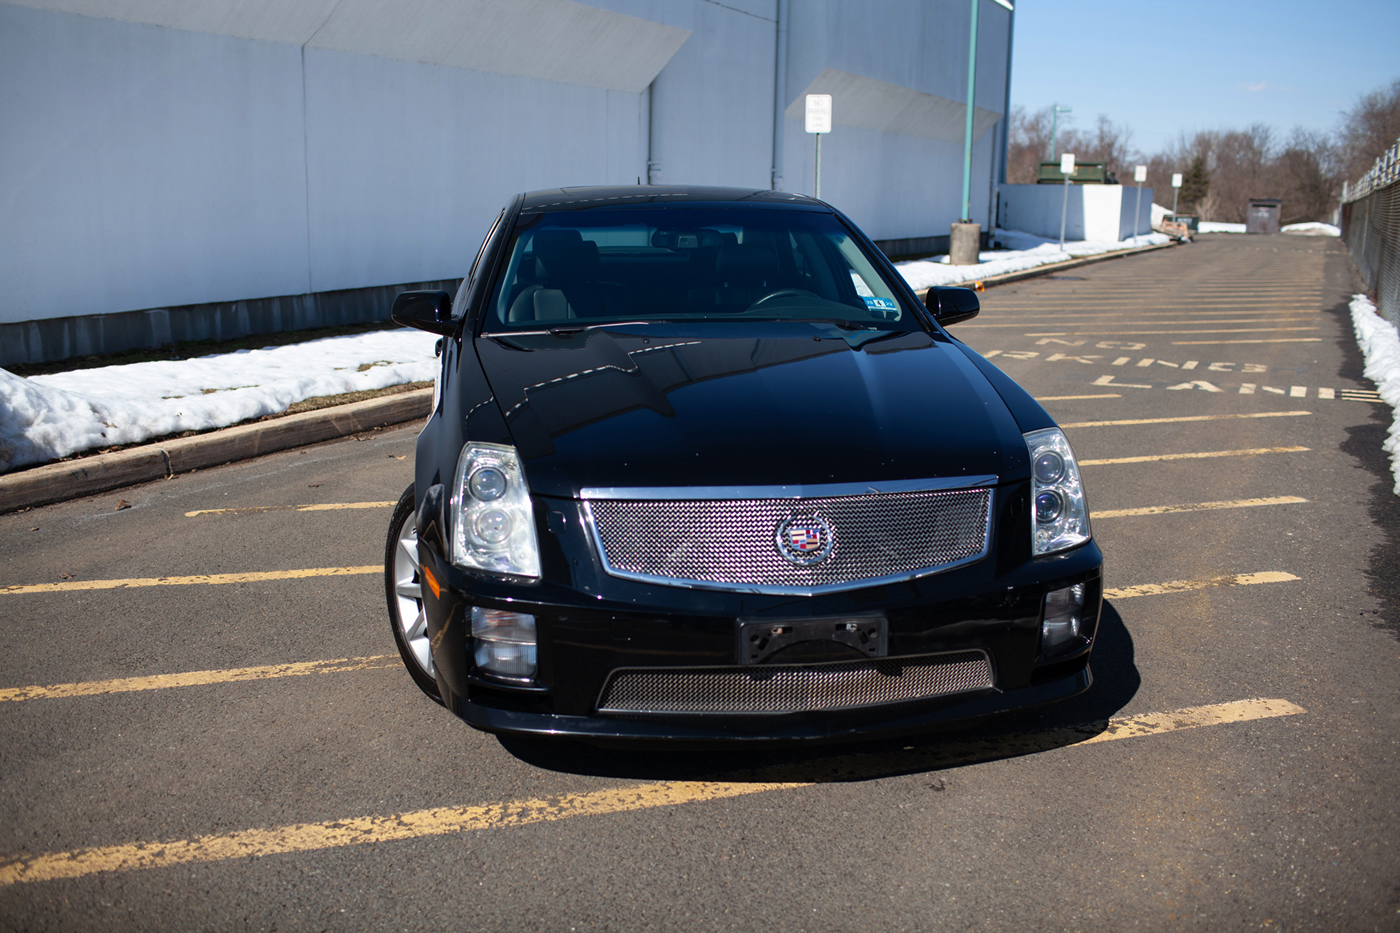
<point x="951" y="305"/>
<point x="430" y="311"/>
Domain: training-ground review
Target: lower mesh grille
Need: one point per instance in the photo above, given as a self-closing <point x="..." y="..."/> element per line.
<point x="795" y="688"/>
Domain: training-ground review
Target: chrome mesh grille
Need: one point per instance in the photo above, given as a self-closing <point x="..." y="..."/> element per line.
<point x="795" y="688"/>
<point x="731" y="543"/>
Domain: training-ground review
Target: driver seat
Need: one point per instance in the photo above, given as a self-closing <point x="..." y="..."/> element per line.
<point x="745" y="272"/>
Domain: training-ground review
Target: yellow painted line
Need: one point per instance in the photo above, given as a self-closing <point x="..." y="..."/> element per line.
<point x="304" y="837"/>
<point x="1198" y="507"/>
<point x="1258" y="414"/>
<point x="1182" y="586"/>
<point x="197" y="678"/>
<point x="320" y="507"/>
<point x="1153" y="458"/>
<point x="1216" y="343"/>
<point x="209" y="579"/>
<point x="1066" y="398"/>
<point x="443" y="821"/>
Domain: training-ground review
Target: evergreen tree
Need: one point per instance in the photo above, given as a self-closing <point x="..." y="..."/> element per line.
<point x="1195" y="184"/>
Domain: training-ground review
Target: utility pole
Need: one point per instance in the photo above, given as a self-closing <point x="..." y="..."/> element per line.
<point x="1054" y="125"/>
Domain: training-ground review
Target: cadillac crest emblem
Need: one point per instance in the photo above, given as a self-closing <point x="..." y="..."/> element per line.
<point x="804" y="540"/>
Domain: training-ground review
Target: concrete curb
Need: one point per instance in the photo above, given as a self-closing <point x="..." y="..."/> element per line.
<point x="57" y="482"/>
<point x="1051" y="268"/>
<point x="87" y="476"/>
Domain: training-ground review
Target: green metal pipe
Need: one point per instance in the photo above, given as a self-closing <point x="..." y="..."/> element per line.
<point x="967" y="133"/>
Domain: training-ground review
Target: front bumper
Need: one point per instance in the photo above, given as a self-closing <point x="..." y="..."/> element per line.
<point x="596" y="625"/>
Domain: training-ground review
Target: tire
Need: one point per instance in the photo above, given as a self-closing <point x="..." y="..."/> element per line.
<point x="403" y="588"/>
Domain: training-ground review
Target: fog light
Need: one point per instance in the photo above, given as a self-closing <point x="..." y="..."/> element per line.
<point x="1064" y="609"/>
<point x="505" y="643"/>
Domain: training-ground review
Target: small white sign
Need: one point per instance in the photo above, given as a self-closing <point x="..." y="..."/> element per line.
<point x="1140" y="174"/>
<point x="1176" y="180"/>
<point x="819" y="113"/>
<point x="1067" y="163"/>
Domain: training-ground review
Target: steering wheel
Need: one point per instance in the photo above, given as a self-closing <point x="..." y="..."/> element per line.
<point x="779" y="293"/>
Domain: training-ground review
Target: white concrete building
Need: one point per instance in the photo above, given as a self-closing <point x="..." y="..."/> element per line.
<point x="186" y="169"/>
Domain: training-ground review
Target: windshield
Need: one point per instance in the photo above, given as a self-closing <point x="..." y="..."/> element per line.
<point x="579" y="268"/>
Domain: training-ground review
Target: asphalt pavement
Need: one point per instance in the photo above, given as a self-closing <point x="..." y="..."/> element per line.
<point x="204" y="725"/>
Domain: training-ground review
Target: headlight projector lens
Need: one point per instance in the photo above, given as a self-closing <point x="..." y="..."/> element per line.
<point x="488" y="483"/>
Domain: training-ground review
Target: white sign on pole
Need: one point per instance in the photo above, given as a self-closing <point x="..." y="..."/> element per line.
<point x="1176" y="180"/>
<point x="1140" y="174"/>
<point x="819" y="113"/>
<point x="1067" y="163"/>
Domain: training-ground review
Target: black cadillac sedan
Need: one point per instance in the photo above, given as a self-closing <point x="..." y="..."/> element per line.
<point x="702" y="467"/>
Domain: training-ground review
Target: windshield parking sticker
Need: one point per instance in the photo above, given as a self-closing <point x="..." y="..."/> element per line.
<point x="883" y="305"/>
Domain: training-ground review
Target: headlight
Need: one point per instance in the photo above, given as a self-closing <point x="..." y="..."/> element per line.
<point x="493" y="525"/>
<point x="1061" y="516"/>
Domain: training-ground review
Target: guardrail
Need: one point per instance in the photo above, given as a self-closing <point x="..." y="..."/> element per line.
<point x="1371" y="230"/>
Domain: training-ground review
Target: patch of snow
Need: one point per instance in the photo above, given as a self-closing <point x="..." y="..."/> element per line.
<point x="1380" y="344"/>
<point x="1312" y="229"/>
<point x="1215" y="226"/>
<point x="1027" y="251"/>
<point x="44" y="417"/>
<point x="1159" y="214"/>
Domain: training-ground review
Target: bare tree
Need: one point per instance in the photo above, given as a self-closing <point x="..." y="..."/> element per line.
<point x="1368" y="129"/>
<point x="1027" y="145"/>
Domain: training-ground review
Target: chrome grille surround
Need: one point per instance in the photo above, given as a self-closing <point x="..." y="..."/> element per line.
<point x="724" y="539"/>
<point x="794" y="688"/>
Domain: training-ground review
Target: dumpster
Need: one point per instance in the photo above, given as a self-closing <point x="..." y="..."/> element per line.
<point x="1262" y="216"/>
<point x="1085" y="173"/>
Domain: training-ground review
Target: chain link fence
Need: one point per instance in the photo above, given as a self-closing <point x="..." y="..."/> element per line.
<point x="1371" y="229"/>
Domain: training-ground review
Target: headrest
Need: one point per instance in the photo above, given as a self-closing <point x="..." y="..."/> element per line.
<point x="746" y="262"/>
<point x="562" y="253"/>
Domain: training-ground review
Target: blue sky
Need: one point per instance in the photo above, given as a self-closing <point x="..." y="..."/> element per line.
<point x="1163" y="69"/>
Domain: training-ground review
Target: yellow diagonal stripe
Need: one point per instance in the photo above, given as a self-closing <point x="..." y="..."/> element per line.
<point x="1198" y="506"/>
<point x="319" y="507"/>
<point x="208" y="579"/>
<point x="1259" y="414"/>
<point x="302" y="837"/>
<point x="441" y="821"/>
<point x="1181" y="586"/>
<point x="196" y="678"/>
<point x="1194" y="717"/>
<point x="1153" y="458"/>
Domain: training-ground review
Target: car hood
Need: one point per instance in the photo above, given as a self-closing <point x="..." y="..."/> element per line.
<point x="789" y="405"/>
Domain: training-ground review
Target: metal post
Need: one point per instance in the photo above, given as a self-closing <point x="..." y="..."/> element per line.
<point x="1175" y="192"/>
<point x="1137" y="211"/>
<point x="818" y="193"/>
<point x="1064" y="210"/>
<point x="780" y="96"/>
<point x="967" y="131"/>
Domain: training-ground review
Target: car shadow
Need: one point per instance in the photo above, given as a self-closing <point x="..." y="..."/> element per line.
<point x="1011" y="735"/>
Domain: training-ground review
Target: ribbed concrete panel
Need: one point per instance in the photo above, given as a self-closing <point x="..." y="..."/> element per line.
<point x="290" y="21"/>
<point x="553" y="40"/>
<point x="877" y="105"/>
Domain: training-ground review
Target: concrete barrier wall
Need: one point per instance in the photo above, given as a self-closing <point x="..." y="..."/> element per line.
<point x="154" y="175"/>
<point x="1100" y="213"/>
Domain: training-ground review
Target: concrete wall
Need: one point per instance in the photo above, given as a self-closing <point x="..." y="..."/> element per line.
<point x="210" y="153"/>
<point x="1101" y="213"/>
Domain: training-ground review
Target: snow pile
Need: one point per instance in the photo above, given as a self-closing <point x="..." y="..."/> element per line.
<point x="1159" y="214"/>
<point x="1380" y="344"/>
<point x="1027" y="252"/>
<point x="1215" y="226"/>
<point x="1312" y="229"/>
<point x="44" y="417"/>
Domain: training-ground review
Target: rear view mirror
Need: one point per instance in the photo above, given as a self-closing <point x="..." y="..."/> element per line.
<point x="430" y="311"/>
<point x="951" y="305"/>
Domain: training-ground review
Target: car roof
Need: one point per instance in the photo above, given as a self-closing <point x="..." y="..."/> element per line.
<point x="614" y="196"/>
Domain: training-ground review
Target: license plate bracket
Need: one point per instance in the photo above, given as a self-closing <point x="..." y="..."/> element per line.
<point x="761" y="639"/>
